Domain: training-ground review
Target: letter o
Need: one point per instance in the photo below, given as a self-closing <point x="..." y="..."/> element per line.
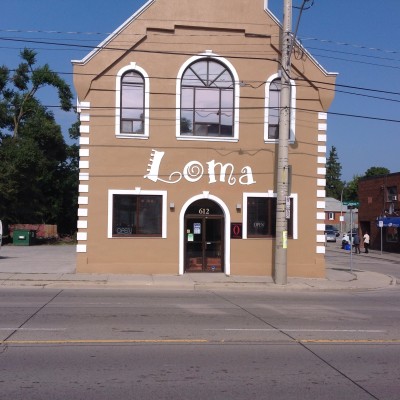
<point x="193" y="171"/>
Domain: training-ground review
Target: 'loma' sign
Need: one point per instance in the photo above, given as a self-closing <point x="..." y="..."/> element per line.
<point x="193" y="171"/>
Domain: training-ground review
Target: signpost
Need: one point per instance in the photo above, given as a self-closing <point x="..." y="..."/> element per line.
<point x="354" y="204"/>
<point x="381" y="227"/>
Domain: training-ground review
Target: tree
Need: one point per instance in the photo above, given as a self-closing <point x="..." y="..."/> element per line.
<point x="375" y="171"/>
<point x="18" y="91"/>
<point x="38" y="170"/>
<point x="351" y="188"/>
<point x="334" y="185"/>
<point x="350" y="192"/>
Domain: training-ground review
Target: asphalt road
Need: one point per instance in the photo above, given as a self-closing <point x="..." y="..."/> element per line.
<point x="144" y="344"/>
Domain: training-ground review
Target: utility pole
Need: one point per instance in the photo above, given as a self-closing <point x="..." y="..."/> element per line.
<point x="282" y="201"/>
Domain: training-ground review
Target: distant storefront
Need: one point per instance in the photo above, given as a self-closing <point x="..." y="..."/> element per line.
<point x="380" y="210"/>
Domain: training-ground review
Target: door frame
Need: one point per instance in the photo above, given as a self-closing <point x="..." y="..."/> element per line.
<point x="204" y="219"/>
<point x="226" y="233"/>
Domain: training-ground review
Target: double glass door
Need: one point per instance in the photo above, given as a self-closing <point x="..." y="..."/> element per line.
<point x="204" y="243"/>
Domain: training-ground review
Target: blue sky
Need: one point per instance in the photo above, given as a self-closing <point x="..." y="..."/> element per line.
<point x="355" y="38"/>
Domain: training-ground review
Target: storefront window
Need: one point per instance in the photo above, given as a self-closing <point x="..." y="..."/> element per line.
<point x="392" y="234"/>
<point x="137" y="215"/>
<point x="261" y="217"/>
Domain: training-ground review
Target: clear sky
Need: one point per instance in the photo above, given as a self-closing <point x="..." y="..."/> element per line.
<point x="358" y="39"/>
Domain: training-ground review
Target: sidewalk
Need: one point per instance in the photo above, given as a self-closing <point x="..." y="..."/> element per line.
<point x="54" y="267"/>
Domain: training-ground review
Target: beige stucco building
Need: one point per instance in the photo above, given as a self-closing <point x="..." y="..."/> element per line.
<point x="179" y="123"/>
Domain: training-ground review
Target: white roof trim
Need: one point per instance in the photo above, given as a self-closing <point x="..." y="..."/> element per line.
<point x="115" y="33"/>
<point x="149" y="3"/>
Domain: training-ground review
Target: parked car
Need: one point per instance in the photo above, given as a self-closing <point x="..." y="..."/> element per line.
<point x="1" y="233"/>
<point x="330" y="236"/>
<point x="332" y="228"/>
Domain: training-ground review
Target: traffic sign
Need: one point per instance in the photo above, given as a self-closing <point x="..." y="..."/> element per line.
<point x="351" y="203"/>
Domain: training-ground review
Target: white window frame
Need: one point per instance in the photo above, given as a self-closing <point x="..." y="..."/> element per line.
<point x="292" y="136"/>
<point x="293" y="196"/>
<point x="231" y="68"/>
<point x="137" y="192"/>
<point x="145" y="135"/>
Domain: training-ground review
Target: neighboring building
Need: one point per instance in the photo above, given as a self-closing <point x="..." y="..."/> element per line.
<point x="179" y="123"/>
<point x="334" y="209"/>
<point x="379" y="201"/>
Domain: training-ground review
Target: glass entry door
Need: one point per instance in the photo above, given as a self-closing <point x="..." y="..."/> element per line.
<point x="204" y="240"/>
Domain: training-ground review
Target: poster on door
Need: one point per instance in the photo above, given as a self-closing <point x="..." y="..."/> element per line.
<point x="197" y="228"/>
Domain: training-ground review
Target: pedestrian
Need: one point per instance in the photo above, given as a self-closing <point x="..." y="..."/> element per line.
<point x="356" y="242"/>
<point x="366" y="242"/>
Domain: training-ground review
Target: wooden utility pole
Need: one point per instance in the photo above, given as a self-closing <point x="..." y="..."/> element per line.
<point x="282" y="170"/>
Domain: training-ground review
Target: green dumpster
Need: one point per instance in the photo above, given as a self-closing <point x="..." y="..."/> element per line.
<point x="23" y="237"/>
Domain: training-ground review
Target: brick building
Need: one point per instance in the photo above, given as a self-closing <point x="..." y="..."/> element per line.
<point x="379" y="201"/>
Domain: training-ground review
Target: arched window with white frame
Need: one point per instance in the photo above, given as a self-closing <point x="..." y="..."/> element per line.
<point x="272" y="109"/>
<point x="207" y="99"/>
<point x="132" y="102"/>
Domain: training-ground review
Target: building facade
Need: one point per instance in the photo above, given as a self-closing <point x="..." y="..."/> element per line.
<point x="379" y="201"/>
<point x="179" y="112"/>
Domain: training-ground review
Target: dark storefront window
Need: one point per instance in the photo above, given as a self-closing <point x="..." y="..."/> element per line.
<point x="392" y="234"/>
<point x="137" y="215"/>
<point x="261" y="217"/>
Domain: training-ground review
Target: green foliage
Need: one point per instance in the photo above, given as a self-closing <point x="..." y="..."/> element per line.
<point x="334" y="185"/>
<point x="376" y="171"/>
<point x="18" y="90"/>
<point x="38" y="170"/>
<point x="350" y="192"/>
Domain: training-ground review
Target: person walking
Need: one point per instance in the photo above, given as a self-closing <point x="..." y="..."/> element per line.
<point x="366" y="242"/>
<point x="356" y="242"/>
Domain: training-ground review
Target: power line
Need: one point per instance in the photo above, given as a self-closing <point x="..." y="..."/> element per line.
<point x="301" y="39"/>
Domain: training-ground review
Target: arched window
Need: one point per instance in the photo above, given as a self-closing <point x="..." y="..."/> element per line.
<point x="207" y="100"/>
<point x="132" y="103"/>
<point x="272" y="109"/>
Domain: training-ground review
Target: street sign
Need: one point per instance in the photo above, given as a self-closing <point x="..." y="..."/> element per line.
<point x="351" y="203"/>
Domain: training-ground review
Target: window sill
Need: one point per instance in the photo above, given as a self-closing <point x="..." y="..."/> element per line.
<point x="131" y="136"/>
<point x="208" y="138"/>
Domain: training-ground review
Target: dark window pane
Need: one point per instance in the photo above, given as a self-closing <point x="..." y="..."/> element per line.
<point x="261" y="217"/>
<point x="137" y="215"/>
<point x="258" y="216"/>
<point x="124" y="208"/>
<point x="149" y="215"/>
<point x="273" y="131"/>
